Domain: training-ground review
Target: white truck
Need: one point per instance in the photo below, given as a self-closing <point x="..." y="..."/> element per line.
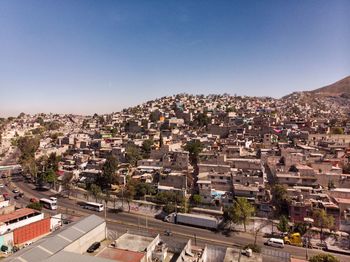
<point x="193" y="220"/>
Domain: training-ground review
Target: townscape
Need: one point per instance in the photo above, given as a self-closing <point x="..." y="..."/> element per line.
<point x="180" y="178"/>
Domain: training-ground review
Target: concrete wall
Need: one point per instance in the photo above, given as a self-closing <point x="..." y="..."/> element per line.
<point x="82" y="244"/>
<point x="7" y="239"/>
<point x="5" y="228"/>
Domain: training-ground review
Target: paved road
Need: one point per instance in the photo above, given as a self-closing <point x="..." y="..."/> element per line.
<point x="123" y="221"/>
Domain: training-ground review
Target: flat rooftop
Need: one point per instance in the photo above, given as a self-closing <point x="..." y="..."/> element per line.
<point x="133" y="242"/>
<point x="121" y="255"/>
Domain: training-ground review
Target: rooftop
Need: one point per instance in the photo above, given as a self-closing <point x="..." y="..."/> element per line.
<point x="121" y="255"/>
<point x="17" y="214"/>
<point x="132" y="242"/>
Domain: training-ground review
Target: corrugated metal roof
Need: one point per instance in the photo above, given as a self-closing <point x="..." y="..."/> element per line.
<point x="49" y="246"/>
<point x="69" y="256"/>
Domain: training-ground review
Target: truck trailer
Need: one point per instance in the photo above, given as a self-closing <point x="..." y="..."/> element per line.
<point x="193" y="220"/>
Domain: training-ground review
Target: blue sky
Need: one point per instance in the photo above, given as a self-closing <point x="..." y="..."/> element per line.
<point x="101" y="56"/>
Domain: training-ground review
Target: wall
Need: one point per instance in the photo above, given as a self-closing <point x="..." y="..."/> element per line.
<point x="5" y="228"/>
<point x="82" y="244"/>
<point x="55" y="222"/>
<point x="31" y="231"/>
<point x="7" y="239"/>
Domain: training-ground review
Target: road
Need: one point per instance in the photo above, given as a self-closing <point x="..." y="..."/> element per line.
<point x="120" y="222"/>
<point x="123" y="221"/>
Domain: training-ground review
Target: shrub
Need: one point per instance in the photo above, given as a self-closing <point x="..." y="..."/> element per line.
<point x="36" y="206"/>
<point x="324" y="258"/>
<point x="254" y="248"/>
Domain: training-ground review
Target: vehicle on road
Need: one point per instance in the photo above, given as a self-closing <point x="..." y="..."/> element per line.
<point x="293" y="239"/>
<point x="168" y="232"/>
<point x="2" y="185"/>
<point x="93" y="247"/>
<point x="248" y="252"/>
<point x="6" y="196"/>
<point x="194" y="220"/>
<point x="54" y="199"/>
<point x="93" y="206"/>
<point x="15" y="191"/>
<point x="48" y="203"/>
<point x="33" y="200"/>
<point x="275" y="242"/>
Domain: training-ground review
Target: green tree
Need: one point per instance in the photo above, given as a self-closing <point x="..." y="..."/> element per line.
<point x="323" y="258"/>
<point x="67" y="183"/>
<point x="194" y="147"/>
<point x="142" y="189"/>
<point x="337" y="131"/>
<point x="95" y="190"/>
<point x="133" y="154"/>
<point x="197" y="199"/>
<point x="50" y="176"/>
<point x="322" y="220"/>
<point x="36" y="205"/>
<point x="201" y="120"/>
<point x="280" y="199"/>
<point x="146" y="147"/>
<point x="301" y="228"/>
<point x="28" y="147"/>
<point x="283" y="225"/>
<point x="241" y="211"/>
<point x="108" y="176"/>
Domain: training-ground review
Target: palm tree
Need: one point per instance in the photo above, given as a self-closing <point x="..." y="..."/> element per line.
<point x="241" y="211"/>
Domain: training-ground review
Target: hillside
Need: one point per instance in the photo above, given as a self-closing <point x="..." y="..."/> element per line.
<point x="341" y="87"/>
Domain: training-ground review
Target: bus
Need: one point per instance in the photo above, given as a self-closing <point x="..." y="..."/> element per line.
<point x="93" y="206"/>
<point x="49" y="204"/>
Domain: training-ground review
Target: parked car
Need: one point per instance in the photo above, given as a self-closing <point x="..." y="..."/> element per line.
<point x="21" y="194"/>
<point x="15" y="191"/>
<point x="168" y="233"/>
<point x="2" y="185"/>
<point x="93" y="247"/>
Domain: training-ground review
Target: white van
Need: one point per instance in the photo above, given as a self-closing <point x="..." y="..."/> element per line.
<point x="275" y="242"/>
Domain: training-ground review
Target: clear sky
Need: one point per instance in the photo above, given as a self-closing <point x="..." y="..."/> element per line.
<point x="101" y="56"/>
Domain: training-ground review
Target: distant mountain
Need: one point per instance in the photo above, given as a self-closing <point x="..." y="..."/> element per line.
<point x="339" y="88"/>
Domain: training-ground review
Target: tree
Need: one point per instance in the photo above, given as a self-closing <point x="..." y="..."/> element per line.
<point x="280" y="199"/>
<point x="337" y="131"/>
<point x="28" y="146"/>
<point x="241" y="211"/>
<point x="95" y="190"/>
<point x="108" y="176"/>
<point x="197" y="199"/>
<point x="36" y="205"/>
<point x="194" y="147"/>
<point x="146" y="147"/>
<point x="301" y="228"/>
<point x="142" y="189"/>
<point x="322" y="220"/>
<point x="323" y="258"/>
<point x="52" y="161"/>
<point x="67" y="183"/>
<point x="201" y="120"/>
<point x="129" y="194"/>
<point x="283" y="225"/>
<point x="50" y="176"/>
<point x="132" y="154"/>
